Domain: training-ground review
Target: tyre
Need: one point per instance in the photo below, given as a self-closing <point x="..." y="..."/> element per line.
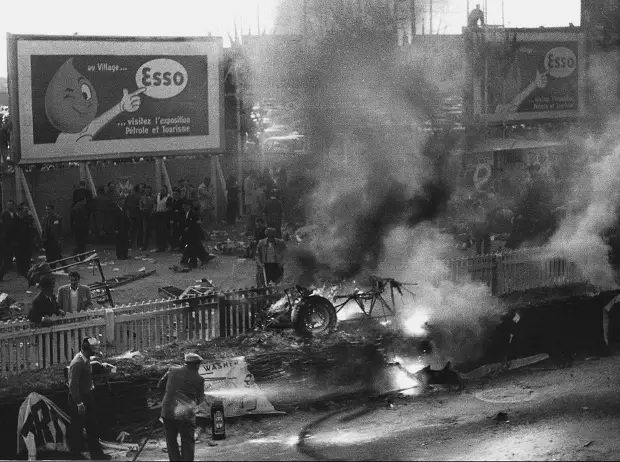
<point x="315" y="316"/>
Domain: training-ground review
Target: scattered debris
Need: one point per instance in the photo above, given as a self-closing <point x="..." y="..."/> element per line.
<point x="180" y="269"/>
<point x="588" y="444"/>
<point x="98" y="288"/>
<point x="501" y="416"/>
<point x="116" y="269"/>
<point x="122" y="436"/>
<point x="522" y="362"/>
<point x="585" y="408"/>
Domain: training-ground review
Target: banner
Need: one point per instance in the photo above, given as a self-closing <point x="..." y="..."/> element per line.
<point x="92" y="98"/>
<point x="230" y="381"/>
<point x="41" y="426"/>
<point x="528" y="76"/>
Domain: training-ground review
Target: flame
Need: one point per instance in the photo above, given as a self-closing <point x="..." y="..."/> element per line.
<point x="403" y="376"/>
<point x="415" y="324"/>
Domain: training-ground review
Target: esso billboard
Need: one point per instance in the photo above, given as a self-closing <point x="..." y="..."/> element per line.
<point x="560" y="62"/>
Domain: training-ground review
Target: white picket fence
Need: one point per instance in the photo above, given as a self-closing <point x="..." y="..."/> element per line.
<point x="137" y="326"/>
<point x="516" y="270"/>
<point x="24" y="346"/>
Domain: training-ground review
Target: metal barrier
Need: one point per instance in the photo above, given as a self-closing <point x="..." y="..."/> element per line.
<point x="25" y="346"/>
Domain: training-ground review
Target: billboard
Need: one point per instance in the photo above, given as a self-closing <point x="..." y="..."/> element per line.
<point x="84" y="98"/>
<point x="526" y="75"/>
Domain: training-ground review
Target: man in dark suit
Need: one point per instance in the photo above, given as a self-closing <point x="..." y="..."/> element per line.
<point x="52" y="235"/>
<point x="80" y="224"/>
<point x="24" y="241"/>
<point x="9" y="218"/>
<point x="44" y="304"/>
<point x="185" y="390"/>
<point x="177" y="221"/>
<point x="82" y="193"/>
<point x="273" y="213"/>
<point x="81" y="399"/>
<point x="193" y="236"/>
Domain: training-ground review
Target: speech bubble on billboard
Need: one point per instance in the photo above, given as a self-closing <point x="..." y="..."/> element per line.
<point x="560" y="62"/>
<point x="162" y="77"/>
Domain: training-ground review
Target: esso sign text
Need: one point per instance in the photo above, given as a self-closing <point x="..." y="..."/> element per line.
<point x="560" y="62"/>
<point x="163" y="78"/>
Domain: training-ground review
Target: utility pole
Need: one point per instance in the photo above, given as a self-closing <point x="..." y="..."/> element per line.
<point x="503" y="13"/>
<point x="486" y="13"/>
<point x="257" y="18"/>
<point x="412" y="15"/>
<point x="467" y="14"/>
<point x="305" y="20"/>
<point x="430" y="12"/>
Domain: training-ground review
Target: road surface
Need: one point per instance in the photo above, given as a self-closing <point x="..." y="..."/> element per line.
<point x="548" y="414"/>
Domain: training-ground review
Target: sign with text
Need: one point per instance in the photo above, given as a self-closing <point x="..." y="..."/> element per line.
<point x="533" y="75"/>
<point x="94" y="98"/>
<point x="230" y="380"/>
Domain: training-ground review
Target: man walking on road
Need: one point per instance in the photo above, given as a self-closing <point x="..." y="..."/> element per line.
<point x="185" y="390"/>
<point x="52" y="235"/>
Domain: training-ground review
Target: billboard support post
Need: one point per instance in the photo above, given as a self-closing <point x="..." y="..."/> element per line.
<point x="158" y="175"/>
<point x="19" y="195"/>
<point x="164" y="171"/>
<point x="87" y="177"/>
<point x="213" y="167"/>
<point x="24" y="184"/>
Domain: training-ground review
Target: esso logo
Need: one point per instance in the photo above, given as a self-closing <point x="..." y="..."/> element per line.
<point x="163" y="78"/>
<point x="560" y="62"/>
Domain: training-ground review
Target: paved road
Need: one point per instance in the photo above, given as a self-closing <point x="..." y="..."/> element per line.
<point x="552" y="414"/>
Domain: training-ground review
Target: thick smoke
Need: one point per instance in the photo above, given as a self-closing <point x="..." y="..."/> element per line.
<point x="378" y="191"/>
<point x="460" y="313"/>
<point x="363" y="98"/>
<point x="594" y="199"/>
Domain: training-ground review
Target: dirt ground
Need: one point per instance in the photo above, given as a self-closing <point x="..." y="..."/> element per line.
<point x="225" y="271"/>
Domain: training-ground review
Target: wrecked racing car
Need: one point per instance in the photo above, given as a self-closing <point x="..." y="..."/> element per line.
<point x="300" y="308"/>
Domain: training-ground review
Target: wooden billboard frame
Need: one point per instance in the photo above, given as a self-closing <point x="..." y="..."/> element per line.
<point x="13" y="82"/>
<point x="495" y="34"/>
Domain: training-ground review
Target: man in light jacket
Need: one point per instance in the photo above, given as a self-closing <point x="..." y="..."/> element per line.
<point x="74" y="297"/>
<point x="270" y="258"/>
<point x="185" y="390"/>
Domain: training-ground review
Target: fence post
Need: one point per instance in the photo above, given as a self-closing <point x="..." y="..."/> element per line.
<point x="109" y="326"/>
<point x="223" y="321"/>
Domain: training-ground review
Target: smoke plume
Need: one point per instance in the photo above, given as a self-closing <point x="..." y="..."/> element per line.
<point x="460" y="313"/>
<point x="594" y="199"/>
<point x="363" y="99"/>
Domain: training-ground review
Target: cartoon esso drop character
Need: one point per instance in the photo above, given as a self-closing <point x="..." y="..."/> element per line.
<point x="560" y="62"/>
<point x="71" y="105"/>
<point x="162" y="78"/>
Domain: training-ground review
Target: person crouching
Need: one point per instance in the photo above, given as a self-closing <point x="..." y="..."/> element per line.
<point x="185" y="390"/>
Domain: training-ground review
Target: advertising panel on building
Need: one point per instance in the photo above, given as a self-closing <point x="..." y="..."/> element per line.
<point x="84" y="98"/>
<point x="526" y="75"/>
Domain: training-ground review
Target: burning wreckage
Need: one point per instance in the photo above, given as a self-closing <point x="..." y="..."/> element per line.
<point x="313" y="312"/>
